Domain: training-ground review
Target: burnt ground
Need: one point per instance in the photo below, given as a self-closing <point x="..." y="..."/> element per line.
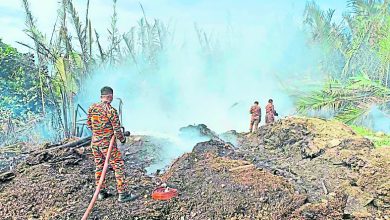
<point x="297" y="168"/>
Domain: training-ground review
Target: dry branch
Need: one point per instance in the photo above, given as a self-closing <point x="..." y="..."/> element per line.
<point x="324" y="187"/>
<point x="243" y="168"/>
<point x="79" y="143"/>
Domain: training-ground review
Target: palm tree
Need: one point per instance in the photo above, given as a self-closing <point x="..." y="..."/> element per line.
<point x="354" y="38"/>
<point x="73" y="60"/>
<point x="349" y="101"/>
<point x="360" y="43"/>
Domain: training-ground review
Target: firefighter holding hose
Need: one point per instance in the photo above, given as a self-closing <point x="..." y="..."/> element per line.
<point x="270" y="112"/>
<point x="255" y="112"/>
<point x="104" y="123"/>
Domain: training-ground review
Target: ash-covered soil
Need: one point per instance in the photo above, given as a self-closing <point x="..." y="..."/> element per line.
<point x="297" y="168"/>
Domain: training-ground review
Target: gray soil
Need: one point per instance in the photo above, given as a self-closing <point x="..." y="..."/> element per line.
<point x="297" y="168"/>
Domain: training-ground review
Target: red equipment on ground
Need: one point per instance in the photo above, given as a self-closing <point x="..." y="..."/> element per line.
<point x="164" y="193"/>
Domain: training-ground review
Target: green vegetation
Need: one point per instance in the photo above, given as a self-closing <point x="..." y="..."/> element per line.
<point x="45" y="83"/>
<point x="356" y="60"/>
<point x="378" y="138"/>
<point x="350" y="101"/>
<point x="18" y="80"/>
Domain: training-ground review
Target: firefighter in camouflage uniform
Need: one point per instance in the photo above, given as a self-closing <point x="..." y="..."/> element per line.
<point x="270" y="112"/>
<point x="104" y="122"/>
<point x="255" y="112"/>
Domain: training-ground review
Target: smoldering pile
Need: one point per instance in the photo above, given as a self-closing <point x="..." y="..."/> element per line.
<point x="297" y="168"/>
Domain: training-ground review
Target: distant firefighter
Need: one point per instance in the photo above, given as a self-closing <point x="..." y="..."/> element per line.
<point x="255" y="112"/>
<point x="270" y="112"/>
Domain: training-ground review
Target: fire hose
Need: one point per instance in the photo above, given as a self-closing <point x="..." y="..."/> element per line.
<point x="95" y="195"/>
<point x="106" y="162"/>
<point x="161" y="193"/>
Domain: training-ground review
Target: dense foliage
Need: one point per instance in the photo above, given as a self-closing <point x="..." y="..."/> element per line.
<point x="45" y="83"/>
<point x="18" y="80"/>
<point x="356" y="59"/>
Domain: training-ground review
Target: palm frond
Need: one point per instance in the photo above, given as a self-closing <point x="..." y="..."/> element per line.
<point x="102" y="54"/>
<point x="351" y="114"/>
<point x="81" y="33"/>
<point x="350" y="100"/>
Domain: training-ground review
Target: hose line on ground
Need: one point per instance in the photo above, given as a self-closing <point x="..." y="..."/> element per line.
<point x="106" y="162"/>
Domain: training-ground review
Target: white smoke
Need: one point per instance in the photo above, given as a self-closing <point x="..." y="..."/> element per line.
<point x="248" y="61"/>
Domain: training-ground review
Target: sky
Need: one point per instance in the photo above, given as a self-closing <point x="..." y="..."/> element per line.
<point x="210" y="15"/>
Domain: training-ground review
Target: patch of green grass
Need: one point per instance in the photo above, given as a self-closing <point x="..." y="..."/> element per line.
<point x="378" y="138"/>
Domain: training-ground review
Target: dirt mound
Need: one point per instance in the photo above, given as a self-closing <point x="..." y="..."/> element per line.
<point x="308" y="137"/>
<point x="195" y="131"/>
<point x="214" y="186"/>
<point x="324" y="158"/>
<point x="296" y="168"/>
<point x="59" y="184"/>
